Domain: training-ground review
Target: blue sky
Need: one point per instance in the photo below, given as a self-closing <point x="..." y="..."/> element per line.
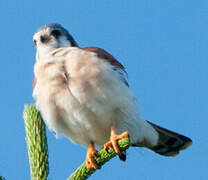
<point x="163" y="45"/>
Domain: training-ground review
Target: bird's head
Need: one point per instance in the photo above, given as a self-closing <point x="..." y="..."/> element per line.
<point x="51" y="36"/>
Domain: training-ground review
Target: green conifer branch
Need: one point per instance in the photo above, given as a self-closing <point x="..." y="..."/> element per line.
<point x="38" y="149"/>
<point x="36" y="143"/>
<point x="2" y="178"/>
<point x="103" y="156"/>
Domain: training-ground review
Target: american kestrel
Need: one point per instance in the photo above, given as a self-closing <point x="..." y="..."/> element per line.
<point x="83" y="94"/>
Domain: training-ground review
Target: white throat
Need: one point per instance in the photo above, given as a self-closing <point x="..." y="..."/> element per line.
<point x="43" y="51"/>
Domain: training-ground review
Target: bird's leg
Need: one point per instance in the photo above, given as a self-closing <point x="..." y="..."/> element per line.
<point x="114" y="139"/>
<point x="89" y="159"/>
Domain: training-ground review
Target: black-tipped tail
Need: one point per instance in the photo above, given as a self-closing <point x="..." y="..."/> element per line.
<point x="170" y="143"/>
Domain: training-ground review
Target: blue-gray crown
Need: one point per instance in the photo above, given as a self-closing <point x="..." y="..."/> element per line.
<point x="55" y="26"/>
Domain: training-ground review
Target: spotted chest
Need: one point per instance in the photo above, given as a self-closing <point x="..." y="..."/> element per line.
<point x="73" y="93"/>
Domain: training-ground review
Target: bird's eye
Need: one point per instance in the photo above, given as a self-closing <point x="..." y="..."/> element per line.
<point x="56" y="33"/>
<point x="44" y="38"/>
<point x="35" y="42"/>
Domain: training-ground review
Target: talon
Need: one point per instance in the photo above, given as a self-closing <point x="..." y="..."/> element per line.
<point x="89" y="159"/>
<point x="114" y="140"/>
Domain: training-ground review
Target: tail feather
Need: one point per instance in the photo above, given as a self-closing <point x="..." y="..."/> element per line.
<point x="170" y="143"/>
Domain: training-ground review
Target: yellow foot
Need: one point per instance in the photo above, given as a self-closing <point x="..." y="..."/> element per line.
<point x="114" y="140"/>
<point x="89" y="159"/>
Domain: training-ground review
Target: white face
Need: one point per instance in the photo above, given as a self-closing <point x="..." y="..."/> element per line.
<point x="49" y="38"/>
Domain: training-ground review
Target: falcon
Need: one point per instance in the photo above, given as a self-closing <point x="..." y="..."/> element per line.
<point x="83" y="94"/>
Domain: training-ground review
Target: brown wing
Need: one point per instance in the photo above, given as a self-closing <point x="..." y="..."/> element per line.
<point x="105" y="55"/>
<point x="34" y="82"/>
<point x="108" y="57"/>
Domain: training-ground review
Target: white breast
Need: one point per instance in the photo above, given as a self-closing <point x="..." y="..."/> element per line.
<point x="80" y="95"/>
